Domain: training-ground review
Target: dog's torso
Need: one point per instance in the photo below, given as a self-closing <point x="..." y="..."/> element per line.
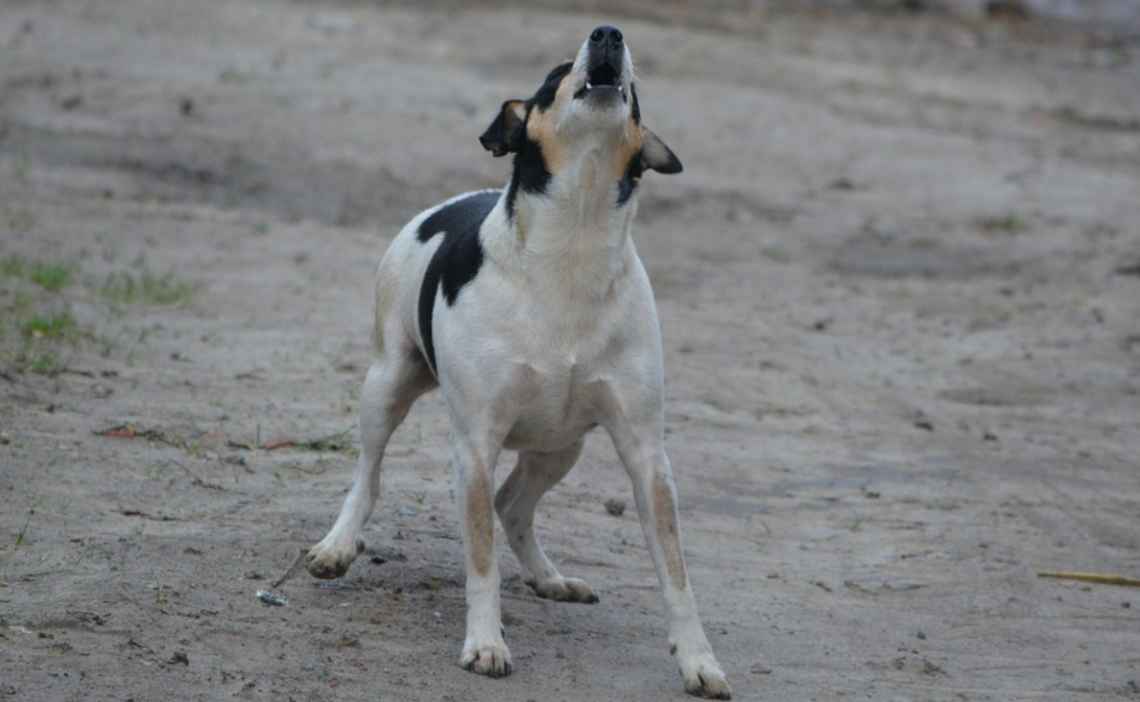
<point x="540" y="337"/>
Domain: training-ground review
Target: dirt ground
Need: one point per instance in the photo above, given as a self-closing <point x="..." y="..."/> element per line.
<point x="899" y="283"/>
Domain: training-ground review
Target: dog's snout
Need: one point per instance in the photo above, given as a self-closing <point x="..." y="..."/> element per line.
<point x="606" y="36"/>
<point x="605" y="57"/>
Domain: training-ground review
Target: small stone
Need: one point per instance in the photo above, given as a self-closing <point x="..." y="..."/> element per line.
<point x="921" y="635"/>
<point x="179" y="657"/>
<point x="615" y="506"/>
<point x="929" y="668"/>
<point x="272" y="599"/>
<point x="101" y="392"/>
<point x="761" y="668"/>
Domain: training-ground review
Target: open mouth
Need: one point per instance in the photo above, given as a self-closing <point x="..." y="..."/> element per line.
<point x="604" y="74"/>
<point x="602" y="78"/>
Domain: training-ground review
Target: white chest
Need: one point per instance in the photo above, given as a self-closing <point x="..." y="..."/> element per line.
<point x="554" y="403"/>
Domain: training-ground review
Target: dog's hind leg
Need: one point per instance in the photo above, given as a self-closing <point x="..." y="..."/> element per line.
<point x="392" y="385"/>
<point x="515" y="502"/>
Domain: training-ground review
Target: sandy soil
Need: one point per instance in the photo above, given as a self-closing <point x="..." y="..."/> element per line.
<point x="900" y="297"/>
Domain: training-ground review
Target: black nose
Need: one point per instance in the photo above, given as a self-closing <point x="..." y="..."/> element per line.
<point x="606" y="36"/>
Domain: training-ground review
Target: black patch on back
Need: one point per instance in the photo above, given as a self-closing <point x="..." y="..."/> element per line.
<point x="457" y="259"/>
<point x="530" y="172"/>
<point x="630" y="178"/>
<point x="635" y="109"/>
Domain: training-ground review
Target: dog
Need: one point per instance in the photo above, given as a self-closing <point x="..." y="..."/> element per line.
<point x="531" y="311"/>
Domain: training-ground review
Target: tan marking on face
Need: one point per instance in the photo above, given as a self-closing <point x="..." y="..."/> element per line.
<point x="542" y="128"/>
<point x="630" y="145"/>
<point x="480" y="529"/>
<point x="665" y="516"/>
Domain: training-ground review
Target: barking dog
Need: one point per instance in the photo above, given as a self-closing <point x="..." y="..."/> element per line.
<point x="531" y="311"/>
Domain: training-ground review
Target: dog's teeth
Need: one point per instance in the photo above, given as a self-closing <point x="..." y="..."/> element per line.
<point x="588" y="85"/>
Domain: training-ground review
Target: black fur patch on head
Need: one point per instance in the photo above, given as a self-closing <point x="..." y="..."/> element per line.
<point x="544" y="98"/>
<point x="457" y="259"/>
<point x="530" y="172"/>
<point x="506" y="132"/>
<point x="629" y="180"/>
<point x="635" y="107"/>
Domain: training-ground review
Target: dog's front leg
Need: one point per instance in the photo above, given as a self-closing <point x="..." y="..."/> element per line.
<point x="656" y="496"/>
<point x="484" y="650"/>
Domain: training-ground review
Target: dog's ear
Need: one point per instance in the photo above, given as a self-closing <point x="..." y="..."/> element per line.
<point x="656" y="156"/>
<point x="506" y="133"/>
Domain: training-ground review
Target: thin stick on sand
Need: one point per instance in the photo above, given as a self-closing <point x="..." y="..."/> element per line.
<point x="1098" y="578"/>
<point x="291" y="572"/>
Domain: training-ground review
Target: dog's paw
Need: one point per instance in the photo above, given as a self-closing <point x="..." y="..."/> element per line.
<point x="490" y="658"/>
<point x="327" y="562"/>
<point x="703" y="677"/>
<point x="564" y="590"/>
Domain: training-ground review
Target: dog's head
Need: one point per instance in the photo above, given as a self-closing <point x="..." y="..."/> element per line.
<point x="587" y="105"/>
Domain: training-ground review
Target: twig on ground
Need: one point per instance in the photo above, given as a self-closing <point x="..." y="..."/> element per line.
<point x="291" y="572"/>
<point x="1098" y="578"/>
<point x="130" y="431"/>
<point x="340" y="441"/>
<point x="194" y="479"/>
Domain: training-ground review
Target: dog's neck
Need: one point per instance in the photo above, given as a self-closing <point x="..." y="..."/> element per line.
<point x="576" y="227"/>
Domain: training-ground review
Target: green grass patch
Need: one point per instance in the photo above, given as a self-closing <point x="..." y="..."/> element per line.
<point x="12" y="267"/>
<point x="58" y="326"/>
<point x="20" y="303"/>
<point x="42" y="362"/>
<point x="146" y="288"/>
<point x="52" y="277"/>
<point x="1010" y="223"/>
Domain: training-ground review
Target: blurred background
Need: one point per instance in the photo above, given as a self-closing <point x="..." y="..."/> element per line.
<point x="899" y="283"/>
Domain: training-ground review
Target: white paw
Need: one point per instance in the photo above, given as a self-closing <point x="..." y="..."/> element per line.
<point x="491" y="658"/>
<point x="702" y="675"/>
<point x="331" y="561"/>
<point x="564" y="590"/>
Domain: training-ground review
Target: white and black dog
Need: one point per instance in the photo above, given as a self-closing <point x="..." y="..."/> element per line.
<point x="530" y="309"/>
